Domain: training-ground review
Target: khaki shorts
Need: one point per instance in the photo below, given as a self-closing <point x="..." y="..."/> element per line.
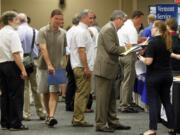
<point x="42" y="82"/>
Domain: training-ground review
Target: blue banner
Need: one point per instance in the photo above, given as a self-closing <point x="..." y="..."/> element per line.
<point x="165" y="11"/>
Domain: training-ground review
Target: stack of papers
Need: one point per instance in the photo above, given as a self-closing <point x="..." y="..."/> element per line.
<point x="136" y="48"/>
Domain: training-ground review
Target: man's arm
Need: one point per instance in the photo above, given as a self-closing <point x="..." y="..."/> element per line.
<point x="146" y="61"/>
<point x="175" y="56"/>
<point x="46" y="58"/>
<point x="83" y="58"/>
<point x="109" y="43"/>
<point x="19" y="63"/>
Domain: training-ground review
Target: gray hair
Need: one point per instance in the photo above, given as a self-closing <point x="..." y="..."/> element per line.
<point x="76" y="19"/>
<point x="22" y="17"/>
<point x="117" y="14"/>
<point x="85" y="13"/>
<point x="8" y="16"/>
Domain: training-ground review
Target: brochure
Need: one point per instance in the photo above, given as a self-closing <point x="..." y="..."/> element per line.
<point x="137" y="47"/>
<point x="58" y="78"/>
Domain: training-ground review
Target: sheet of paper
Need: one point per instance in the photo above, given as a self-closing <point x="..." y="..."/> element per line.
<point x="136" y="48"/>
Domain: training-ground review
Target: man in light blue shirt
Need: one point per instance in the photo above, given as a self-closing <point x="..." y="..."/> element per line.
<point x="147" y="31"/>
<point x="26" y="36"/>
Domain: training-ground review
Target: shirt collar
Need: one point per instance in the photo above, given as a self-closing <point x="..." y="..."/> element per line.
<point x="9" y="27"/>
<point x="23" y="24"/>
<point x="115" y="27"/>
<point x="49" y="28"/>
<point x="83" y="25"/>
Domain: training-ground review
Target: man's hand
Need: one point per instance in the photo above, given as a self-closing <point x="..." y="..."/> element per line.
<point x="51" y="69"/>
<point x="87" y="72"/>
<point x="142" y="39"/>
<point x="91" y="33"/>
<point x="23" y="75"/>
<point x="128" y="46"/>
<point x="141" y="52"/>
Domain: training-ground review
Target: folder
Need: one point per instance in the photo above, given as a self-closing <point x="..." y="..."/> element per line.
<point x="58" y="78"/>
<point x="136" y="48"/>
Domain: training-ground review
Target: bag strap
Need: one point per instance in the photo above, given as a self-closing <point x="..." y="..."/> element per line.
<point x="33" y="40"/>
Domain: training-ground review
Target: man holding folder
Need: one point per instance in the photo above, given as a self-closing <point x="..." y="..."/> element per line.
<point x="52" y="43"/>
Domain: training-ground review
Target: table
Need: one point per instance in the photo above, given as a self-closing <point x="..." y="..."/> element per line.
<point x="175" y="99"/>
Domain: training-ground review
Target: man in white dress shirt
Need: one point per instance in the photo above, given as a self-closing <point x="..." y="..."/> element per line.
<point x="128" y="36"/>
<point x="12" y="73"/>
<point x="81" y="62"/>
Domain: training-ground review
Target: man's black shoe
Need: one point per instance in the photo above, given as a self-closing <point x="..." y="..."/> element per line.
<point x="128" y="110"/>
<point x="69" y="109"/>
<point x="120" y="127"/>
<point x="106" y="129"/>
<point x="22" y="127"/>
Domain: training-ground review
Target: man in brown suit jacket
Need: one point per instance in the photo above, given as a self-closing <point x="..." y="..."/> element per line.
<point x="105" y="70"/>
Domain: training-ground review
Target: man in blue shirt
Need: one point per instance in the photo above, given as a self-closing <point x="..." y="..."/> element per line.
<point x="26" y="36"/>
<point x="147" y="30"/>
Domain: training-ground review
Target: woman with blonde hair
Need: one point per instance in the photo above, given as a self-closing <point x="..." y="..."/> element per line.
<point x="159" y="76"/>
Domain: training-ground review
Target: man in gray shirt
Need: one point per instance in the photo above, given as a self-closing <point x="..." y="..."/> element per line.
<point x="52" y="43"/>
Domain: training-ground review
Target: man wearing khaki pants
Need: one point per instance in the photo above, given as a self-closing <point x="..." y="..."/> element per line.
<point x="28" y="37"/>
<point x="105" y="70"/>
<point x="128" y="36"/>
<point x="81" y="61"/>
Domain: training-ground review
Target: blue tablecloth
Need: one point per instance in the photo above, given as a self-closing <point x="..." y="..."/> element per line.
<point x="140" y="87"/>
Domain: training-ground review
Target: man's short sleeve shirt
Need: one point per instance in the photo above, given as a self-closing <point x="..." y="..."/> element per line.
<point x="81" y="38"/>
<point x="9" y="43"/>
<point x="56" y="45"/>
<point x="127" y="34"/>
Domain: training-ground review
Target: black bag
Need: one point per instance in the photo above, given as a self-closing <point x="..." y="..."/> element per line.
<point x="28" y="60"/>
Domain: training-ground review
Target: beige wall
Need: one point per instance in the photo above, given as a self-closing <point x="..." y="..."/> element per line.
<point x="0" y="7"/>
<point x="39" y="10"/>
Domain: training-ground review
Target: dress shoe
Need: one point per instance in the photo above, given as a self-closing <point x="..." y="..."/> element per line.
<point x="120" y="127"/>
<point x="128" y="110"/>
<point x="89" y="111"/>
<point x="22" y="127"/>
<point x="148" y="134"/>
<point x="136" y="107"/>
<point x="106" y="129"/>
<point x="172" y="133"/>
<point x="82" y="124"/>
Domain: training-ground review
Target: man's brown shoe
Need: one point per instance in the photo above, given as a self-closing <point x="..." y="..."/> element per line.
<point x="82" y="124"/>
<point x="106" y="129"/>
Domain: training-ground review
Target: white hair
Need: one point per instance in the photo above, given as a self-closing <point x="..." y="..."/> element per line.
<point x="22" y="17"/>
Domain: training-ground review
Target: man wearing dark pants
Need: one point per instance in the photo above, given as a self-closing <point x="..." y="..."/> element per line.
<point x="71" y="88"/>
<point x="71" y="85"/>
<point x="12" y="74"/>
